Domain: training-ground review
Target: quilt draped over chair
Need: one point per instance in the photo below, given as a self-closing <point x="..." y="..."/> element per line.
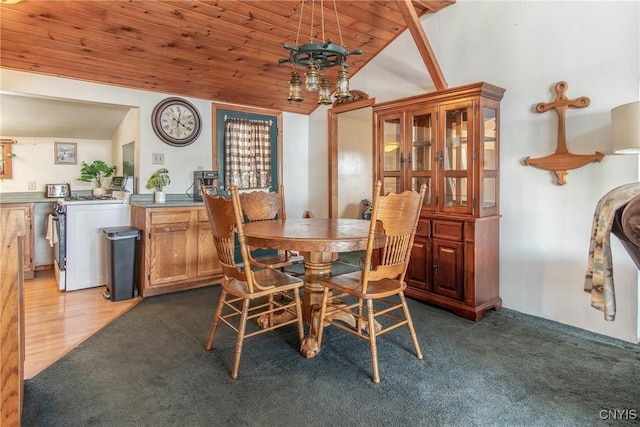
<point x="599" y="276"/>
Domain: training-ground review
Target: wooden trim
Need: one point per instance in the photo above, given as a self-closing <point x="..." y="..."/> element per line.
<point x="425" y="5"/>
<point x="356" y="105"/>
<point x="422" y="43"/>
<point x="483" y="89"/>
<point x="6" y="171"/>
<point x="354" y="96"/>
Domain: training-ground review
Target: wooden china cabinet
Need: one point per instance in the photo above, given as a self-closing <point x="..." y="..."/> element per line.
<point x="448" y="140"/>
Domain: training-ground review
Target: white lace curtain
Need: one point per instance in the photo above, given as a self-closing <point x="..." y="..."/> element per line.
<point x="247" y="153"/>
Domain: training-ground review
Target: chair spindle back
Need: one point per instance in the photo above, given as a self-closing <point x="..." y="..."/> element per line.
<point x="397" y="215"/>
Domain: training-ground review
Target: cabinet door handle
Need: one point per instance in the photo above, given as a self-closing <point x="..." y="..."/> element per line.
<point x="401" y="159"/>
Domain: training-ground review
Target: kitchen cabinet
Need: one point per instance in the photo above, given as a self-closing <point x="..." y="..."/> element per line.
<point x="448" y="140"/>
<point x="208" y="263"/>
<point x="13" y="233"/>
<point x="25" y="210"/>
<point x="177" y="250"/>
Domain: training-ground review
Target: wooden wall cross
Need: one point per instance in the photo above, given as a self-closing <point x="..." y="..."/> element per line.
<point x="562" y="160"/>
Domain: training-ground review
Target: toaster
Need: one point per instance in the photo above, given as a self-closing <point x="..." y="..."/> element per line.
<point x="58" y="190"/>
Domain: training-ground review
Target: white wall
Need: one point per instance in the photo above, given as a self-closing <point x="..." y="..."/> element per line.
<point x="181" y="161"/>
<point x="527" y="47"/>
<point x="355" y="164"/>
<point x="295" y="158"/>
<point x="127" y="132"/>
<point x="319" y="163"/>
<point x="34" y="161"/>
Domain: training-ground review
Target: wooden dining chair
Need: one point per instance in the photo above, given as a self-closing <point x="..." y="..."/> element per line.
<point x="265" y="206"/>
<point x="204" y="189"/>
<point x="248" y="292"/>
<point x="378" y="291"/>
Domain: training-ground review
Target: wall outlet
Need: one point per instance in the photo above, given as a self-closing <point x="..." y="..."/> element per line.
<point x="32" y="185"/>
<point x="199" y="168"/>
<point x="157" y="158"/>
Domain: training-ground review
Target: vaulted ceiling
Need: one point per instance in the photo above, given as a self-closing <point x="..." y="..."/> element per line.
<point x="226" y="51"/>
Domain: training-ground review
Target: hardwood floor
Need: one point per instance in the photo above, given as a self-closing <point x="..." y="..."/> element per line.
<point x="56" y="322"/>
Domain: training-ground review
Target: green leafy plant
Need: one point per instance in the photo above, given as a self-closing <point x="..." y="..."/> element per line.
<point x="159" y="180"/>
<point x="8" y="155"/>
<point x="96" y="172"/>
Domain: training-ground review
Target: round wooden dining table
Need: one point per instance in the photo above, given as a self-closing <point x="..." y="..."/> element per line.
<point x="318" y="240"/>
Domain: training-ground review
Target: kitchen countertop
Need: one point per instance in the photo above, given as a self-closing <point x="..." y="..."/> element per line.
<point x="172" y="201"/>
<point x="27" y="197"/>
<point x="140" y="200"/>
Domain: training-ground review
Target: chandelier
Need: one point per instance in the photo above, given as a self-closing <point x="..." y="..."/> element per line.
<point x="315" y="57"/>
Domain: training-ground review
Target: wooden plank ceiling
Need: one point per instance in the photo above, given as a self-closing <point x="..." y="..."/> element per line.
<point x="225" y="51"/>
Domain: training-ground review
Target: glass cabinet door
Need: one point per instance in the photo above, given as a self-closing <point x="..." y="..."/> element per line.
<point x="456" y="158"/>
<point x="408" y="152"/>
<point x="489" y="161"/>
<point x="390" y="134"/>
<point x="448" y="142"/>
<point x="420" y="154"/>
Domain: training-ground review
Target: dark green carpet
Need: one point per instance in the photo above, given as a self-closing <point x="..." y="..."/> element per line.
<point x="149" y="368"/>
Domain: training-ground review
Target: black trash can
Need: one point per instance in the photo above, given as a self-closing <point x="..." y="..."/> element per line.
<point x="121" y="248"/>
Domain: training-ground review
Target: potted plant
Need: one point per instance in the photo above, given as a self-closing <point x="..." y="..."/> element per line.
<point x="96" y="172"/>
<point x="158" y="181"/>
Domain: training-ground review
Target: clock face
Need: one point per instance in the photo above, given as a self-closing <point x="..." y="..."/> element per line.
<point x="176" y="122"/>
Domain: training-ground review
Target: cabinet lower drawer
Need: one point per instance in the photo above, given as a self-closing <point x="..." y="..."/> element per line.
<point x="170" y="217"/>
<point x="447" y="230"/>
<point x="423" y="229"/>
<point x="202" y="215"/>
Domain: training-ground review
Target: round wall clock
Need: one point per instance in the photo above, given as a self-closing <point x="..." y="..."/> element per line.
<point x="176" y="122"/>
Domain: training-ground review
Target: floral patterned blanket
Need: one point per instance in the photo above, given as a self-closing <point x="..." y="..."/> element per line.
<point x="599" y="276"/>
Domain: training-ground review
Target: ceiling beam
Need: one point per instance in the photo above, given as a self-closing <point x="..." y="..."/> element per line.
<point x="422" y="43"/>
<point x="424" y="4"/>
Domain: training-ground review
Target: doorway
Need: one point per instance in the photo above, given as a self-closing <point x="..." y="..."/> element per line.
<point x="351" y="159"/>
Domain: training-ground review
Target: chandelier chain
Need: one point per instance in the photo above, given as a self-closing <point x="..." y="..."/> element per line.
<point x="322" y="13"/>
<point x="313" y="18"/>
<point x="299" y="23"/>
<point x="315" y="58"/>
<point x="335" y="9"/>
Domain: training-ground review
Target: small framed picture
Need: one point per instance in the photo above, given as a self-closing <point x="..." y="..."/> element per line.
<point x="65" y="153"/>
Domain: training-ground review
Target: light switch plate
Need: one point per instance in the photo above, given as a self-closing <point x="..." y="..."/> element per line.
<point x="157" y="158"/>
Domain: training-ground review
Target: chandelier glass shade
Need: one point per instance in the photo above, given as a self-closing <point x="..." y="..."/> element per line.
<point x="315" y="58"/>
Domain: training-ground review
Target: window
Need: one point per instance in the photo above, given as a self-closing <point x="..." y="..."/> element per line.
<point x="225" y="114"/>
